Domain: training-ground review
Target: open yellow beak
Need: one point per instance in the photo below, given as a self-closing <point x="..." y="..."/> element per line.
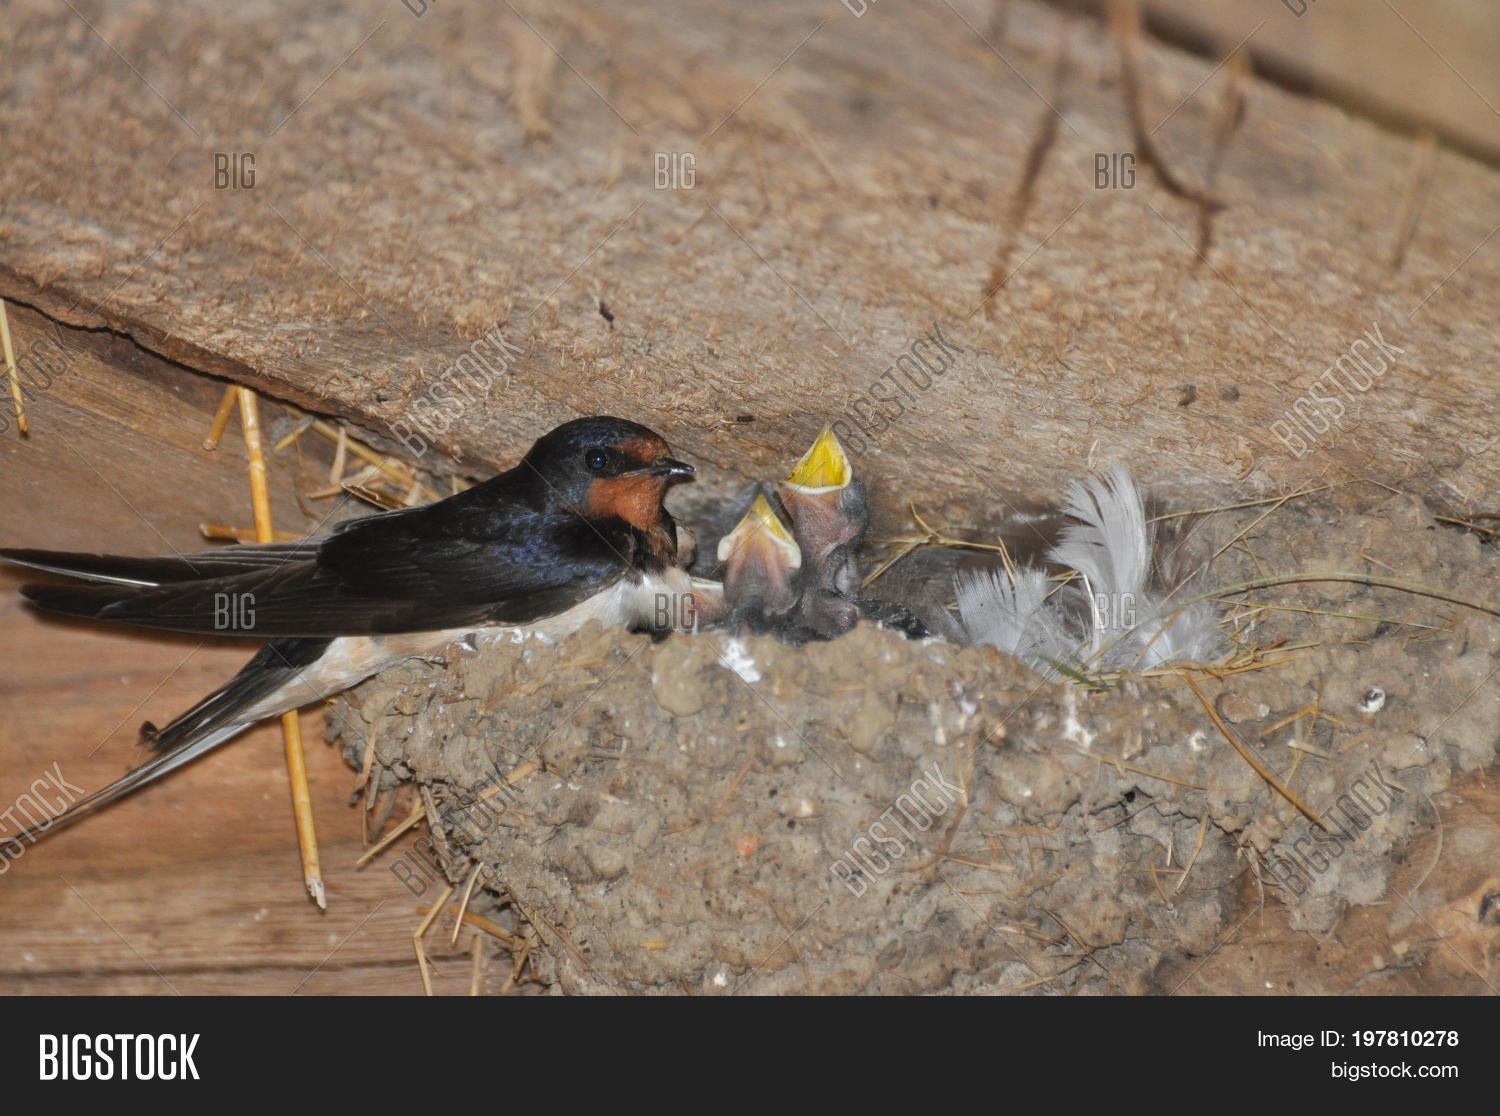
<point x="823" y="467"/>
<point x="761" y="525"/>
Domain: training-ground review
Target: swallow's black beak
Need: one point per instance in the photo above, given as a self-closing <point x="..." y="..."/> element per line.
<point x="670" y="467"/>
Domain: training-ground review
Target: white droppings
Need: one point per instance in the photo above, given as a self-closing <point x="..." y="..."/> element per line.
<point x="1072" y="728"/>
<point x="739" y="660"/>
<point x="1197" y="741"/>
<point x="1373" y="701"/>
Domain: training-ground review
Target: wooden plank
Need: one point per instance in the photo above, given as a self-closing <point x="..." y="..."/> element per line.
<point x="197" y="876"/>
<point x="419" y="181"/>
<point x="1413" y="68"/>
<point x="848" y="192"/>
<point x="1419" y="67"/>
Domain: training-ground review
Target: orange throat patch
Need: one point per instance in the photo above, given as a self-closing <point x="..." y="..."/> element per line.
<point x="635" y="499"/>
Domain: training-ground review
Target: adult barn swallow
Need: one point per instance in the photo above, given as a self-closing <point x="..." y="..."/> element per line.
<point x="576" y="532"/>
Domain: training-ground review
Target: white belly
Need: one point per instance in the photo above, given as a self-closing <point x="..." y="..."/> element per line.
<point x="662" y="601"/>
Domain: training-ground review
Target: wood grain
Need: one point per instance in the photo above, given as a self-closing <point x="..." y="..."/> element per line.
<point x="192" y="885"/>
<point x="851" y="175"/>
<point x="421" y="181"/>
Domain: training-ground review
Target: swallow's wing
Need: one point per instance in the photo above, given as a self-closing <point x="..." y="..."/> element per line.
<point x="441" y="566"/>
<point x="220" y="716"/>
<point x="115" y="569"/>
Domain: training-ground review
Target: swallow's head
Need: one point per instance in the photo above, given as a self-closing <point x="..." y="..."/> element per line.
<point x="609" y="467"/>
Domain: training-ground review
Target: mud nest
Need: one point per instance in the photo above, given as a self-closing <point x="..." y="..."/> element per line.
<point x="882" y="815"/>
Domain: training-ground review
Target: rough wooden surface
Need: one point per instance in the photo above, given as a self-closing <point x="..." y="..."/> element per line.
<point x="192" y="885"/>
<point x="1415" y="67"/>
<point x="420" y="180"/>
<point x="852" y="177"/>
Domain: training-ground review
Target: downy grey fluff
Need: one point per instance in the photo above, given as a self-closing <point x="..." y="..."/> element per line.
<point x="1111" y="615"/>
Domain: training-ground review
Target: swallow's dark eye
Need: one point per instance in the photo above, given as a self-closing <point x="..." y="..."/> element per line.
<point x="594" y="459"/>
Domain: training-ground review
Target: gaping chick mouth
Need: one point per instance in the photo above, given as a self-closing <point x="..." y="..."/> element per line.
<point x="761" y="529"/>
<point x="822" y="467"/>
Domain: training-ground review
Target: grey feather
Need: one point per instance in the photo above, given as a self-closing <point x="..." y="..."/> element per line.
<point x="1113" y="615"/>
<point x="1014" y="617"/>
